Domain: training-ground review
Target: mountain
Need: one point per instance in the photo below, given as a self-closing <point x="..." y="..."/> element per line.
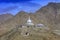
<point x="11" y="23"/>
<point x="5" y="17"/>
<point x="49" y="15"/>
<point x="19" y="19"/>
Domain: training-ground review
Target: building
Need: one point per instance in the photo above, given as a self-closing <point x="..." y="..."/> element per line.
<point x="29" y="26"/>
<point x="29" y="22"/>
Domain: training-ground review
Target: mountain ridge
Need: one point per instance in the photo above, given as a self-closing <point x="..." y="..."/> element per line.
<point x="45" y="15"/>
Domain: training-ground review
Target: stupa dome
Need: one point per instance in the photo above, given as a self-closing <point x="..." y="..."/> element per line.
<point x="29" y="21"/>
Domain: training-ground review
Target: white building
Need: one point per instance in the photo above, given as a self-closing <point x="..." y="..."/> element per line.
<point x="29" y="22"/>
<point x="40" y="25"/>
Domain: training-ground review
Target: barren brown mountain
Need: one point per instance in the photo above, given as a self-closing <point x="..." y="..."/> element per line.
<point x="4" y="17"/>
<point x="18" y="19"/>
<point x="48" y="15"/>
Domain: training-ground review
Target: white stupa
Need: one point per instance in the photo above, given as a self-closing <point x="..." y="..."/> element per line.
<point x="29" y="21"/>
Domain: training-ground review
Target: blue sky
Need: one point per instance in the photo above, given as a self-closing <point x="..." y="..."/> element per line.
<point x="14" y="6"/>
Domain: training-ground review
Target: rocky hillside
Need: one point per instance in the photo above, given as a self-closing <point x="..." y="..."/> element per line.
<point x="48" y="15"/>
<point x="11" y="23"/>
<point x="5" y="17"/>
